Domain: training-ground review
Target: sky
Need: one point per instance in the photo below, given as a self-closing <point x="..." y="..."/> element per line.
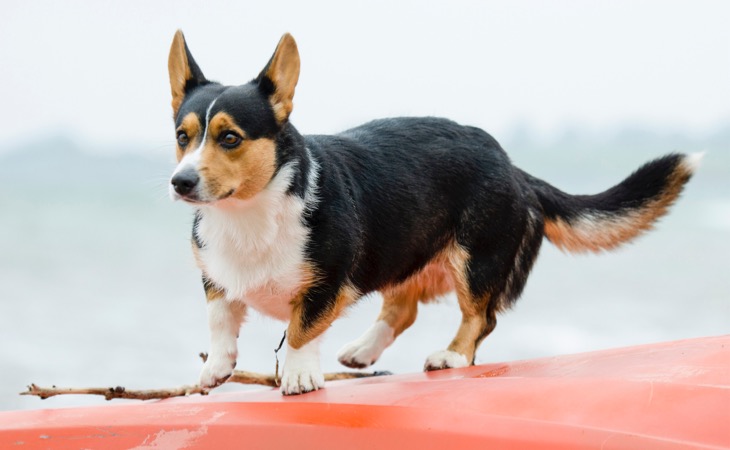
<point x="97" y="70"/>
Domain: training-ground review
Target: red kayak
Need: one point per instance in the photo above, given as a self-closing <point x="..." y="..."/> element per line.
<point x="674" y="395"/>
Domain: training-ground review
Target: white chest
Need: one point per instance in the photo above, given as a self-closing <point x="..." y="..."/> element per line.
<point x="255" y="250"/>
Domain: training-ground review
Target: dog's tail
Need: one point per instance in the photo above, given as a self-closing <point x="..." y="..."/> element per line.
<point x="581" y="223"/>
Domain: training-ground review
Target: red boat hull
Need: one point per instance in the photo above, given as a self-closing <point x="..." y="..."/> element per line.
<point x="673" y="395"/>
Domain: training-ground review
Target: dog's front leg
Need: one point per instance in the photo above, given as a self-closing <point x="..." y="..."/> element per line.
<point x="224" y="320"/>
<point x="312" y="314"/>
<point x="302" y="372"/>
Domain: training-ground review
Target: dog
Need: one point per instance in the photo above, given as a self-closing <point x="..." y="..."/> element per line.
<point x="300" y="227"/>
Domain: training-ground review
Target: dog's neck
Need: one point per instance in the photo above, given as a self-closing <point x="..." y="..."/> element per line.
<point x="291" y="149"/>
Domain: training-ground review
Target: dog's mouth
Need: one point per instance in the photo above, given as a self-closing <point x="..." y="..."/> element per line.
<point x="194" y="199"/>
<point x="227" y="194"/>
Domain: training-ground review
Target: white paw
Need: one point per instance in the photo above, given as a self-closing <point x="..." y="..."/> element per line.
<point x="358" y="354"/>
<point x="445" y="359"/>
<point x="301" y="370"/>
<point x="365" y="350"/>
<point x="216" y="370"/>
<point x="301" y="379"/>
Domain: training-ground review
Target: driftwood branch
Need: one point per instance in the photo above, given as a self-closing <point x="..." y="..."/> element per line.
<point x="115" y="392"/>
<point x="239" y="376"/>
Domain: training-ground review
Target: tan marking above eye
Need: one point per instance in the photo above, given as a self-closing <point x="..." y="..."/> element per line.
<point x="223" y="123"/>
<point x="190" y="125"/>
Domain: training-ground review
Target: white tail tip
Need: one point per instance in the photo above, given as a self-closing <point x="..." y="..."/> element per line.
<point x="693" y="161"/>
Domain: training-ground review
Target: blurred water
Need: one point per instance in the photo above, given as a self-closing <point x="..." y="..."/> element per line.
<point x="98" y="285"/>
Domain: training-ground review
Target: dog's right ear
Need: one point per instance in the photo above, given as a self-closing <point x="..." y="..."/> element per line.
<point x="184" y="72"/>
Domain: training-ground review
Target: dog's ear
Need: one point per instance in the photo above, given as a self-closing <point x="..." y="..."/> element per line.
<point x="184" y="71"/>
<point x="280" y="76"/>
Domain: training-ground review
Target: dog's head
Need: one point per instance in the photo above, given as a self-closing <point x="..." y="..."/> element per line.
<point x="226" y="135"/>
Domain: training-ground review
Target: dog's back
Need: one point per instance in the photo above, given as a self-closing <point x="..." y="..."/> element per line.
<point x="399" y="190"/>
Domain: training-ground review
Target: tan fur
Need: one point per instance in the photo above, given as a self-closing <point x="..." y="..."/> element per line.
<point x="299" y="335"/>
<point x="432" y="281"/>
<point x="215" y="294"/>
<point x="245" y="170"/>
<point x="398" y="311"/>
<point x="179" y="70"/>
<point x="400" y="302"/>
<point x="283" y="71"/>
<point x="222" y="122"/>
<point x="474" y="323"/>
<point x="446" y="272"/>
<point x="469" y="335"/>
<point x="458" y="258"/>
<point x="191" y="126"/>
<point x="605" y="233"/>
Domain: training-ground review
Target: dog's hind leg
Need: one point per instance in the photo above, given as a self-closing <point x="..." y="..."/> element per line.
<point x="478" y="317"/>
<point x="488" y="279"/>
<point x="398" y="313"/>
<point x="400" y="307"/>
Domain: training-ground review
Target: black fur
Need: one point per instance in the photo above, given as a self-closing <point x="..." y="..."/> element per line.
<point x="394" y="193"/>
<point x="198" y="100"/>
<point x="208" y="285"/>
<point x="644" y="185"/>
<point x="197" y="78"/>
<point x="196" y="239"/>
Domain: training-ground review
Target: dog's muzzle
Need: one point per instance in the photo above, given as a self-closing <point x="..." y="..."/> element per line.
<point x="185" y="182"/>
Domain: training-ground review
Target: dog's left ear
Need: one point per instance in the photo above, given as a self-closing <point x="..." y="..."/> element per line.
<point x="184" y="71"/>
<point x="280" y="76"/>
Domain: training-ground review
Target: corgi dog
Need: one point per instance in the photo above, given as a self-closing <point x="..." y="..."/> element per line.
<point x="300" y="227"/>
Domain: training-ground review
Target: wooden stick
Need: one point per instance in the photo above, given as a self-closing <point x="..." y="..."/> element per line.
<point x="239" y="376"/>
<point x="115" y="392"/>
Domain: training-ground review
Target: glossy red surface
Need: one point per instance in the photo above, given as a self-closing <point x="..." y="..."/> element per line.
<point x="673" y="395"/>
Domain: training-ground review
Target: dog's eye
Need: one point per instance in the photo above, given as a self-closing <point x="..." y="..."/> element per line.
<point x="182" y="139"/>
<point x="230" y="140"/>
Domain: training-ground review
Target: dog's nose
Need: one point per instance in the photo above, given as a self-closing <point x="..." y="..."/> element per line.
<point x="184" y="182"/>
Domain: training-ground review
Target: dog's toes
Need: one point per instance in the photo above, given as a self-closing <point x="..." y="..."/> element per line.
<point x="357" y="356"/>
<point x="216" y="371"/>
<point x="355" y="364"/>
<point x="365" y="350"/>
<point x="445" y="359"/>
<point x="301" y="380"/>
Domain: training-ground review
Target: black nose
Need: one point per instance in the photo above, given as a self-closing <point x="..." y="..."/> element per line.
<point x="184" y="182"/>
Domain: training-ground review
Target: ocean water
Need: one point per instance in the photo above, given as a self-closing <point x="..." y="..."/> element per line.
<point x="98" y="286"/>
